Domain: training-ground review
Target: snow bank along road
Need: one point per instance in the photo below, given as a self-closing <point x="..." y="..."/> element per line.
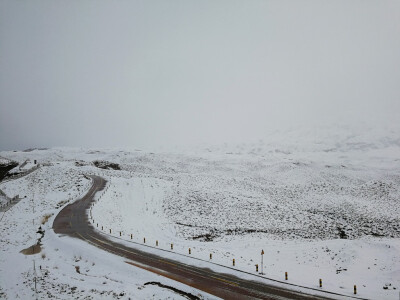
<point x="73" y="221"/>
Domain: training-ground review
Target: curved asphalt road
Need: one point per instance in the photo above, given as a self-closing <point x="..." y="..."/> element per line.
<point x="72" y="220"/>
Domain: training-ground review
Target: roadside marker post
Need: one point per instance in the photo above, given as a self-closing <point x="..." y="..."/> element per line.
<point x="120" y="233"/>
<point x="233" y="262"/>
<point x="131" y="235"/>
<point x="355" y="290"/>
<point x="190" y="251"/>
<point x="262" y="262"/>
<point x="110" y="230"/>
<point x="286" y="276"/>
<point x="172" y="246"/>
<point x="257" y="268"/>
<point x="157" y="243"/>
<point x="210" y="255"/>
<point x="144" y="240"/>
<point x="320" y="283"/>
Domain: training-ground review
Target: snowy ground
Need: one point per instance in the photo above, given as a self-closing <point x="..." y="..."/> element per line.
<point x="4" y="160"/>
<point x="65" y="268"/>
<point x="326" y="207"/>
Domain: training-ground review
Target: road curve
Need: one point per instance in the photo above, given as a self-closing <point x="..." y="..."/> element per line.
<point x="72" y="220"/>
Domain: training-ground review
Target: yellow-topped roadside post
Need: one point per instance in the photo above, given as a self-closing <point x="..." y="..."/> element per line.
<point x="262" y="261"/>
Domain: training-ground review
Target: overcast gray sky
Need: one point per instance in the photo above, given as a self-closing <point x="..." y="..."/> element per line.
<point x="151" y="73"/>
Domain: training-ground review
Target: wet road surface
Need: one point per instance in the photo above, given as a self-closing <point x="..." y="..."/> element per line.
<point x="73" y="221"/>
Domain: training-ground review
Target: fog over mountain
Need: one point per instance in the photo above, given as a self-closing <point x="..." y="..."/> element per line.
<point x="151" y="74"/>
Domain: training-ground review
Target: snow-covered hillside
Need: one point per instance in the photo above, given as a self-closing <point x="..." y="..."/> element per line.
<point x="320" y="206"/>
<point x="64" y="268"/>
